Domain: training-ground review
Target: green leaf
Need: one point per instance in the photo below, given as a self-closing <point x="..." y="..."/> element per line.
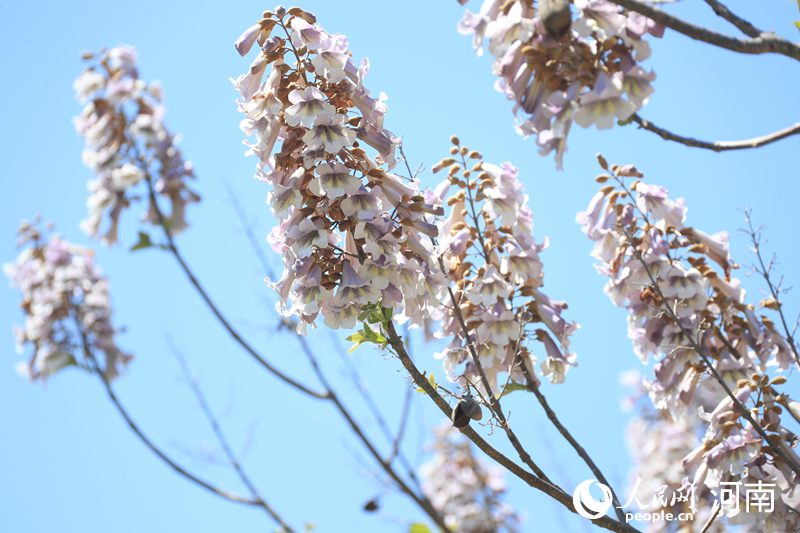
<point x="419" y="528"/>
<point x="514" y="387"/>
<point x="358" y="338"/>
<point x="144" y="242"/>
<point x="432" y="380"/>
<point x="388" y="312"/>
<point x="797" y="24"/>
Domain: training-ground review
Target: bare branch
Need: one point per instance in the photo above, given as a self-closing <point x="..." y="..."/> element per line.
<point x="533" y="386"/>
<point x="765" y="43"/>
<point x="207" y="298"/>
<point x="223" y="440"/>
<point x="420" y="499"/>
<point x="744" y="26"/>
<point x="716" y="146"/>
<point x="134" y="427"/>
<point x="393" y="439"/>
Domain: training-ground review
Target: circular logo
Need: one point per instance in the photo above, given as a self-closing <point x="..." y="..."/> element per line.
<point x="585" y="504"/>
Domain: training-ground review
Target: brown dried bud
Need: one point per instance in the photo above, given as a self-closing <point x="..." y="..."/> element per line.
<point x="455" y="140"/>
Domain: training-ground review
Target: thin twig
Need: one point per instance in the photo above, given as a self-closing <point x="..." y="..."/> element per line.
<point x="764" y="271"/>
<point x="766" y="43"/>
<point x="134" y="427"/>
<point x="393" y="439"/>
<point x="420" y="499"/>
<point x="707" y="526"/>
<point x="580" y="450"/>
<point x="716" y="146"/>
<point x="223" y="440"/>
<point x="234" y="334"/>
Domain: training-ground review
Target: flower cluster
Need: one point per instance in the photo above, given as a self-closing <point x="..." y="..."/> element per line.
<point x="687" y="312"/>
<point x="125" y="141"/>
<point x="464" y="490"/>
<point x="491" y="257"/>
<point x="353" y="234"/>
<point x="586" y="71"/>
<point x="64" y="297"/>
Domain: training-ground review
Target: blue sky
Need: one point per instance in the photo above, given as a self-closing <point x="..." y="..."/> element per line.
<point x="67" y="461"/>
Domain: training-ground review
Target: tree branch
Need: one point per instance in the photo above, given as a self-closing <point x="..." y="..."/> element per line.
<point x="533" y="386"/>
<point x="765" y="43"/>
<point x="95" y="367"/>
<point x="744" y="26"/>
<point x="223" y="440"/>
<point x="420" y="499"/>
<point x="716" y="146"/>
<point x="354" y="375"/>
<point x="531" y="479"/>
<point x="207" y="298"/>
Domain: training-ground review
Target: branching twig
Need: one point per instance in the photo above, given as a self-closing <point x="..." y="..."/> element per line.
<point x="134" y="427"/>
<point x="173" y="249"/>
<point x="223" y="440"/>
<point x="774" y="290"/>
<point x="393" y="439"/>
<point x="765" y="43"/>
<point x="328" y="395"/>
<point x="533" y="386"/>
<point x="716" y="146"/>
<point x="420" y="499"/>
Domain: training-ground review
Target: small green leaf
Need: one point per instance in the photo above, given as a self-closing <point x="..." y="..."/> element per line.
<point x="358" y="338"/>
<point x="514" y="387"/>
<point x="797" y="24"/>
<point x="419" y="528"/>
<point x="143" y="242"/>
<point x="432" y="380"/>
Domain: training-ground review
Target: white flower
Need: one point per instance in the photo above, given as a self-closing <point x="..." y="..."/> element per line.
<point x="330" y="134"/>
<point x="334" y="181"/>
<point x="308" y="107"/>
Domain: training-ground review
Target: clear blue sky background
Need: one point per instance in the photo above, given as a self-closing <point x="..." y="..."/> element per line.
<point x="68" y="463"/>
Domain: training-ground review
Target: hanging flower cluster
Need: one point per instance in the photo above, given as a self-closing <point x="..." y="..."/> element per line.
<point x="492" y="259"/>
<point x="63" y="295"/>
<point x="353" y="235"/>
<point x="467" y="493"/>
<point x="587" y="71"/>
<point x="125" y="140"/>
<point x="675" y="281"/>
